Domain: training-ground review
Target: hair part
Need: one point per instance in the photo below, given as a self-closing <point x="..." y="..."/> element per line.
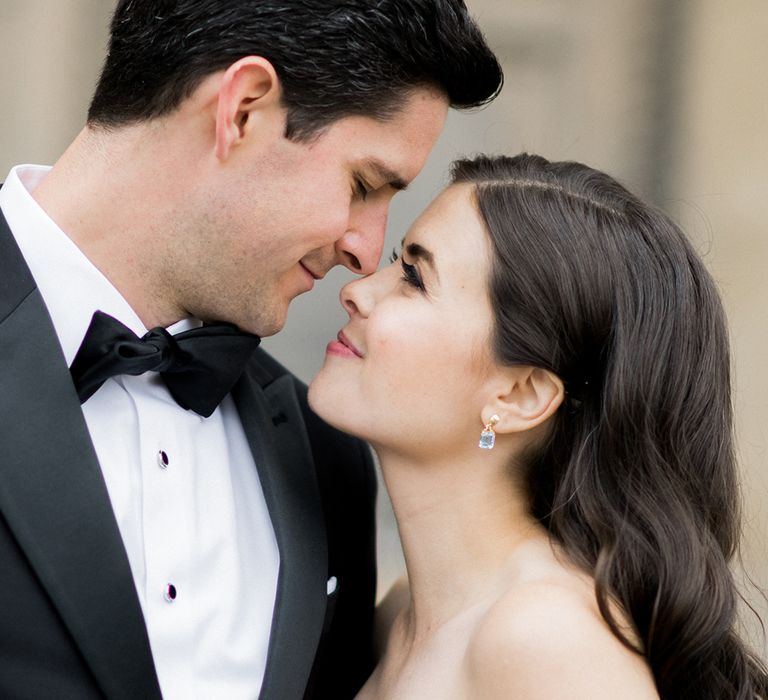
<point x="334" y="58"/>
<point x="637" y="478"/>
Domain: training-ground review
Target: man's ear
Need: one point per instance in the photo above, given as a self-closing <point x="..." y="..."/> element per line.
<point x="249" y="87"/>
<point x="525" y="397"/>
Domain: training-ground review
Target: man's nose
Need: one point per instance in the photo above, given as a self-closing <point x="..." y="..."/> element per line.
<point x="359" y="249"/>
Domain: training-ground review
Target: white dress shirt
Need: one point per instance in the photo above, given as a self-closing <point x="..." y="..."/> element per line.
<point x="184" y="489"/>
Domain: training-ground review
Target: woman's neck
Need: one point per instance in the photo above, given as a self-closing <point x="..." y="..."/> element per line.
<point x="461" y="521"/>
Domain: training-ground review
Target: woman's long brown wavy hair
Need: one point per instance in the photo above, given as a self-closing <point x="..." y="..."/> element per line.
<point x="637" y="480"/>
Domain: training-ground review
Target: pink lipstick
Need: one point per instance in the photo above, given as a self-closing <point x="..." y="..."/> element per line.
<point x="342" y="347"/>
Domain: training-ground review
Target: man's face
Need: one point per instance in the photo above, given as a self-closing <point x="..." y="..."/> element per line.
<point x="279" y="214"/>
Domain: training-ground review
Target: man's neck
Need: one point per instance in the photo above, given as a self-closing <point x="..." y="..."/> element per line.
<point x="111" y="198"/>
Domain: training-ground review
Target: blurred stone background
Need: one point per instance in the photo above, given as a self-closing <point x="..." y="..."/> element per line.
<point x="668" y="95"/>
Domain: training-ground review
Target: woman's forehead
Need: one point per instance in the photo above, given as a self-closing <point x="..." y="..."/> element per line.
<point x="450" y="231"/>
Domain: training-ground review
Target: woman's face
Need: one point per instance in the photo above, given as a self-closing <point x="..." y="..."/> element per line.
<point x="409" y="369"/>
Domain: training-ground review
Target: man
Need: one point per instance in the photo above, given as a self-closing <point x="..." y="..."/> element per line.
<point x="234" y="153"/>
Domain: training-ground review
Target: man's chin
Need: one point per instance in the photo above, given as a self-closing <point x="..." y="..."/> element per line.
<point x="266" y="326"/>
<point x="264" y="320"/>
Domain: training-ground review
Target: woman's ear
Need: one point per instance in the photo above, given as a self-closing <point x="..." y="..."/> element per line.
<point x="525" y="397"/>
<point x="249" y="87"/>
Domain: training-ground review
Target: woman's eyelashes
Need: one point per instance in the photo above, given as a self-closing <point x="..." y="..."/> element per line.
<point x="411" y="274"/>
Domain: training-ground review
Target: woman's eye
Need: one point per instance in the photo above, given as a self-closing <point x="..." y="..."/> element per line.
<point x="411" y="275"/>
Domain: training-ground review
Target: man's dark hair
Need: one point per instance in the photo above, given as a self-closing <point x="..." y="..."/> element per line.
<point x="334" y="58"/>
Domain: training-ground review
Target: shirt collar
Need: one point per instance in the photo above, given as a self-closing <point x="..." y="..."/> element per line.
<point x="72" y="287"/>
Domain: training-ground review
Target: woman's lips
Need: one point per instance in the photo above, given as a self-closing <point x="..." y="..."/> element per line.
<point x="345" y="341"/>
<point x="342" y="347"/>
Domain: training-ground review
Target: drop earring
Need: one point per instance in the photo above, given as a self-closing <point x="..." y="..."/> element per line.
<point x="488" y="437"/>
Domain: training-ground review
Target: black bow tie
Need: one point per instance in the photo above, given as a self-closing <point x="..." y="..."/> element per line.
<point x="199" y="367"/>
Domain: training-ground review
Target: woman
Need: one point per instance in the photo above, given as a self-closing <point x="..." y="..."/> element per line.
<point x="579" y="548"/>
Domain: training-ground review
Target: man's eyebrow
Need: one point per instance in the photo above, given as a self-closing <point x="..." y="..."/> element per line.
<point x="386" y="175"/>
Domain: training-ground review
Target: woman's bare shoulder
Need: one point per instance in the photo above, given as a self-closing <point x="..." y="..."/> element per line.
<point x="545" y="638"/>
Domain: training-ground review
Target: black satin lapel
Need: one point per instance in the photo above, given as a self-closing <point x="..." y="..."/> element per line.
<point x="277" y="435"/>
<point x="53" y="495"/>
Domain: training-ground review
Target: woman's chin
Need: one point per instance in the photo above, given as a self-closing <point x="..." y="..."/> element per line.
<point x="315" y="403"/>
<point x="328" y="405"/>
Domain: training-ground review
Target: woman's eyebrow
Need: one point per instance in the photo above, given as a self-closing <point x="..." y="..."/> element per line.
<point x="419" y="252"/>
<point x="415" y="250"/>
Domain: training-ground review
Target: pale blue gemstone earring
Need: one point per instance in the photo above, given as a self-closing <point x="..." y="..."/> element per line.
<point x="488" y="437"/>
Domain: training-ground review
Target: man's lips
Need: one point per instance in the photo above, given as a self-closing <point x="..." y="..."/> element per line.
<point x="314" y="274"/>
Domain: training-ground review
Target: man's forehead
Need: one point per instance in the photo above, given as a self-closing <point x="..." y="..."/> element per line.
<point x="409" y="136"/>
<point x="392" y="150"/>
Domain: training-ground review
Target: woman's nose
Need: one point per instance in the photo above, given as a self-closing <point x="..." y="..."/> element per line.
<point x="350" y="297"/>
<point x="360" y="296"/>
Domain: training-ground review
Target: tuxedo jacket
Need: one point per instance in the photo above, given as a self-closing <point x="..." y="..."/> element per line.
<point x="70" y="621"/>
